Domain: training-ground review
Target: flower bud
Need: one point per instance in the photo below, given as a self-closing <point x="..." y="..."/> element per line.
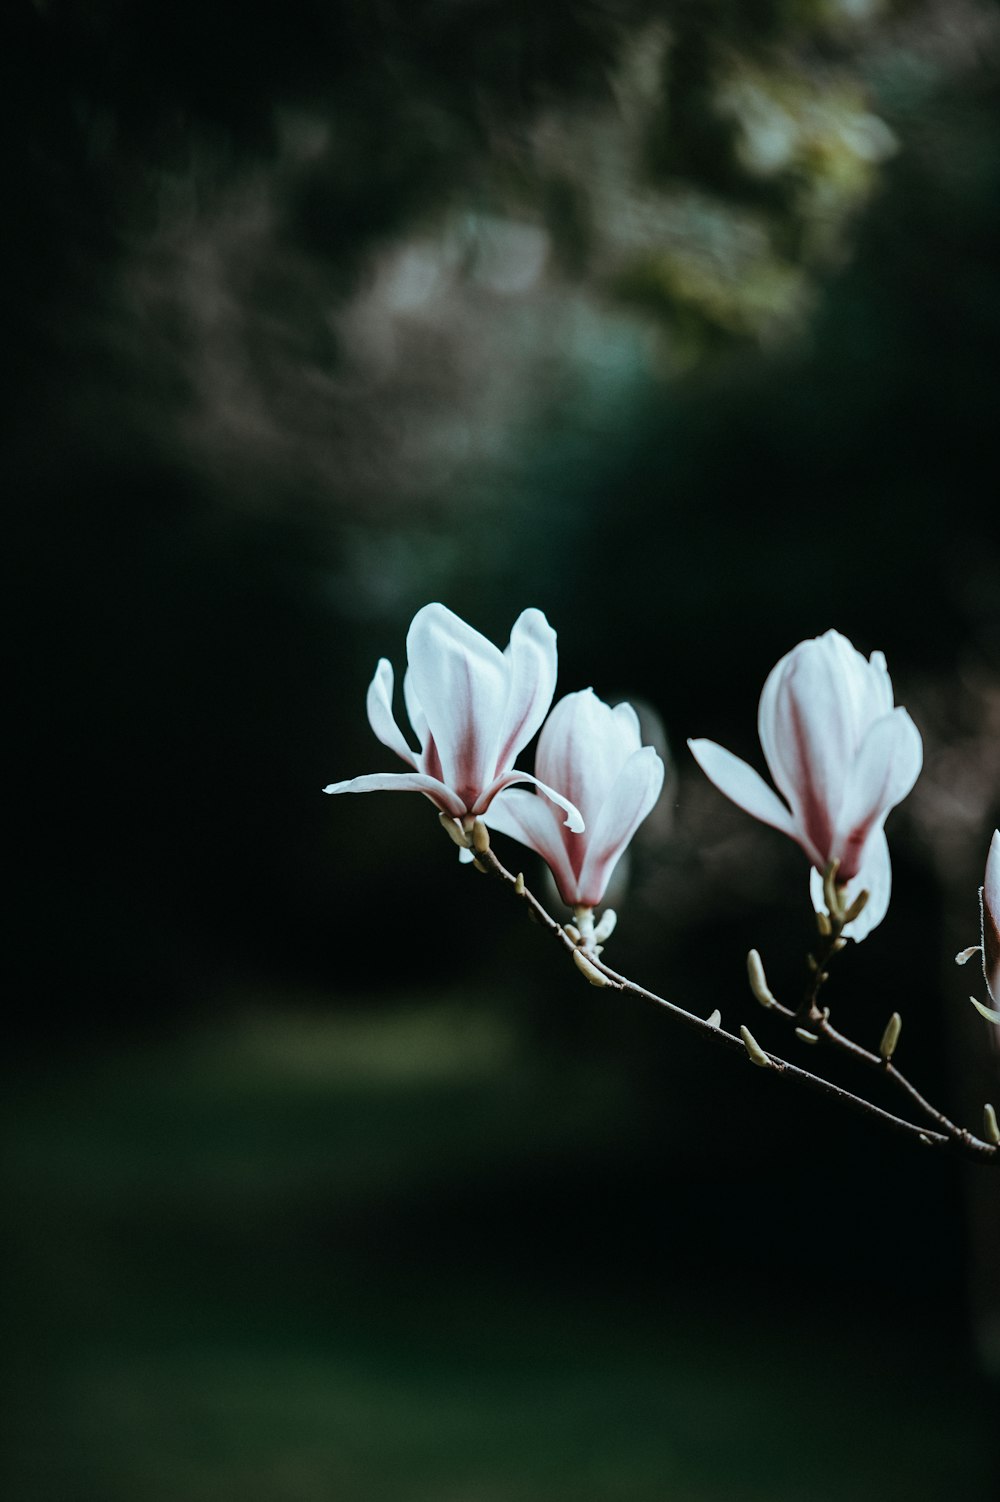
<point x="588" y="970"/>
<point x="890" y="1037"/>
<point x="758" y="980"/>
<point x="754" y="1051"/>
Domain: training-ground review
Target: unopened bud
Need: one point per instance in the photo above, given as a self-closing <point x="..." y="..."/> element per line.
<point x="800" y="1032"/>
<point x="857" y="907"/>
<point x="715" y="1020"/>
<point x="454" y="831"/>
<point x="830" y="892"/>
<point x="586" y="969"/>
<point x="573" y="932"/>
<point x="480" y="837"/>
<point x="606" y="927"/>
<point x="519" y="884"/>
<point x="480" y="867"/>
<point x="838" y="945"/>
<point x="758" y="980"/>
<point x="823" y="924"/>
<point x="754" y="1051"/>
<point x="990" y="1125"/>
<point x="890" y="1037"/>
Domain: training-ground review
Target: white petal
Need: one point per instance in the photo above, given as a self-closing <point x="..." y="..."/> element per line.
<point x="403" y="782"/>
<point x="883" y="772"/>
<point x="414" y="710"/>
<point x="745" y="787"/>
<point x="532" y="819"/>
<point x="380" y="716"/>
<point x="583" y="746"/>
<point x="460" y="680"/>
<point x="574" y="818"/>
<point x="635" y="790"/>
<point x="806" y="723"/>
<point x="991" y="918"/>
<point x="531" y="662"/>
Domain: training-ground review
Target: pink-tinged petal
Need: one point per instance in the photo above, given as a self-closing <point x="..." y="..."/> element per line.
<point x="884" y="770"/>
<point x="460" y="680"/>
<point x="806" y="729"/>
<point x="747" y="789"/>
<point x="403" y="782"/>
<point x="991" y="918"/>
<point x="583" y="746"/>
<point x="875" y="878"/>
<point x="574" y="818"/>
<point x="380" y="715"/>
<point x="533" y="820"/>
<point x="531" y="662"/>
<point x="632" y="796"/>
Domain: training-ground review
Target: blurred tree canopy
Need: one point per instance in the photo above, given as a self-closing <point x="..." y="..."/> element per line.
<point x="674" y="319"/>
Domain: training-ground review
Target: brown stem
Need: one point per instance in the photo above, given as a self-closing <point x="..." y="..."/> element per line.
<point x="952" y="1137"/>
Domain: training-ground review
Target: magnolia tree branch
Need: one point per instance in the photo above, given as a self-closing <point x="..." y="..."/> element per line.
<point x="944" y="1135"/>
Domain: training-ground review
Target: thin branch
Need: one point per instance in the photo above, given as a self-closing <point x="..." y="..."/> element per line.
<point x="952" y="1138"/>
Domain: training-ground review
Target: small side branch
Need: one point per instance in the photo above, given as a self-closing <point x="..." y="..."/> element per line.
<point x="944" y="1135"/>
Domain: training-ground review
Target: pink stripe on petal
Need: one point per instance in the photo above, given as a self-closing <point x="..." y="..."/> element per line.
<point x="632" y="796"/>
<point x="883" y="772"/>
<point x="534" y="821"/>
<point x="531" y="663"/>
<point x="460" y="681"/>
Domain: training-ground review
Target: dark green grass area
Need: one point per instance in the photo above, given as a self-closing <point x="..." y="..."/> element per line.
<point x="306" y="1258"/>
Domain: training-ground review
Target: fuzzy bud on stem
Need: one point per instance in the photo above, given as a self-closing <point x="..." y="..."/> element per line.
<point x="856" y="908"/>
<point x="588" y="970"/>
<point x="758" y="980"/>
<point x="454" y="831"/>
<point x="990" y="1125"/>
<point x="754" y="1051"/>
<point x="890" y="1037"/>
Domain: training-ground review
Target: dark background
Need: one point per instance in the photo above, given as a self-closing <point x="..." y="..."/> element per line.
<point x="679" y="321"/>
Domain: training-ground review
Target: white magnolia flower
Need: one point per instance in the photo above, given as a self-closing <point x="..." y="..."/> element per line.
<point x="989" y="925"/>
<point x="472" y="707"/>
<point x="841" y="756"/>
<point x="595" y="756"/>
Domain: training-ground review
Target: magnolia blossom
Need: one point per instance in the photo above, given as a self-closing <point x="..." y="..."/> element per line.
<point x="472" y="707"/>
<point x="841" y="756"/>
<point x="594" y="754"/>
<point x="989" y="942"/>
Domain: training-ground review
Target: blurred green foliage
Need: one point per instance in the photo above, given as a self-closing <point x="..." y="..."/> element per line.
<point x="301" y="1258"/>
